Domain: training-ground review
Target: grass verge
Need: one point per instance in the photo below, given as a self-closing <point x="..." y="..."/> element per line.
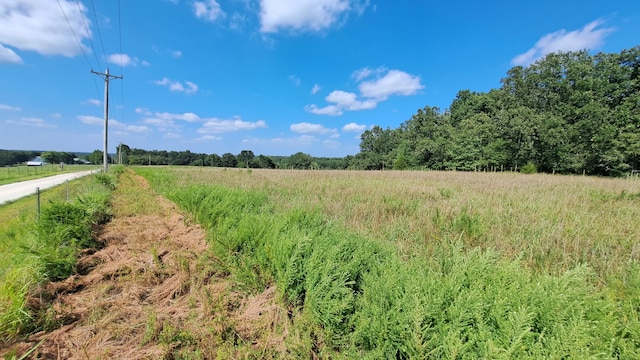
<point x="33" y="251"/>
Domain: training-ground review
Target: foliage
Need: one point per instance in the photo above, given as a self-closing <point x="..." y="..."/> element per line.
<point x="13" y="157"/>
<point x="529" y="168"/>
<point x="568" y="113"/>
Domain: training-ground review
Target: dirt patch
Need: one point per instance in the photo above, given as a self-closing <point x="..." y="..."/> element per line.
<point x="153" y="291"/>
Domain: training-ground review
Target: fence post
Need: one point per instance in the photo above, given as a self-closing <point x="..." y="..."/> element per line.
<point x="38" y="203"/>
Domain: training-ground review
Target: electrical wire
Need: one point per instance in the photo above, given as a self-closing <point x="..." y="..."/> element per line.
<point x="79" y="45"/>
<point x="86" y="27"/>
<point x="95" y="17"/>
<point x="75" y="36"/>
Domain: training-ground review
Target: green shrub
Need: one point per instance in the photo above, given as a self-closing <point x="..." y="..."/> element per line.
<point x="529" y="168"/>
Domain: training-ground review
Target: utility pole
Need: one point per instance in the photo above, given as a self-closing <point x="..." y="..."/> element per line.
<point x="105" y="153"/>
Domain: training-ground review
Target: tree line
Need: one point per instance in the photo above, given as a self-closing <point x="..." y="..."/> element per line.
<point x="568" y="113"/>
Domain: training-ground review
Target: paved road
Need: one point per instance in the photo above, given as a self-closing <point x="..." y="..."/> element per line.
<point x="17" y="190"/>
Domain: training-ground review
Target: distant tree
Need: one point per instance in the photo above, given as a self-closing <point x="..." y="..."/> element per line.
<point x="244" y="158"/>
<point x="300" y="160"/>
<point x="122" y="153"/>
<point x="214" y="160"/>
<point x="95" y="157"/>
<point x="228" y="160"/>
<point x="263" y="162"/>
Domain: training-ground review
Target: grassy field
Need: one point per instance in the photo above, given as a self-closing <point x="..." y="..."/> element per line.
<point x="36" y="248"/>
<point x="431" y="264"/>
<point x="11" y="174"/>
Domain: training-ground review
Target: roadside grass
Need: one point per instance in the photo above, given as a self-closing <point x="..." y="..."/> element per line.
<point x="11" y="174"/>
<point x="429" y="264"/>
<point x="33" y="251"/>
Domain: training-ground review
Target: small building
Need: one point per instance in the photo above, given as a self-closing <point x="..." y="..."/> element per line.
<point x="37" y="161"/>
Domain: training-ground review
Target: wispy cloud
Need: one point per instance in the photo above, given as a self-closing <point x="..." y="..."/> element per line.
<point x="32" y="121"/>
<point x="188" y="87"/>
<point x="219" y="126"/>
<point x="115" y="124"/>
<point x="125" y="60"/>
<point x="208" y="10"/>
<point x="315" y="89"/>
<point x="309" y="128"/>
<point x="296" y="80"/>
<point x="94" y="102"/>
<point x="589" y="37"/>
<point x="8" y="107"/>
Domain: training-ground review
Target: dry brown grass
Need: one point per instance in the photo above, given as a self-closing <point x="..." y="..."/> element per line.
<point x="551" y="222"/>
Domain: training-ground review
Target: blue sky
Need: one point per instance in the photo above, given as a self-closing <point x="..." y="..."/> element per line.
<point x="272" y="76"/>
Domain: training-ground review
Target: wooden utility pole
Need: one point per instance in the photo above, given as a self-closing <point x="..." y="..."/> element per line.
<point x="105" y="153"/>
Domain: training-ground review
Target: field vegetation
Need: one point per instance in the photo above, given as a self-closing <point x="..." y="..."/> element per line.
<point x="38" y="248"/>
<point x="429" y="264"/>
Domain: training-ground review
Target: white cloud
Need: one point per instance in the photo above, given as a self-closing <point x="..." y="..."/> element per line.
<point x="7" y="107"/>
<point x="177" y="86"/>
<point x="366" y="72"/>
<point x="306" y="15"/>
<point x="308" y="128"/>
<point x="30" y="121"/>
<point x="382" y="83"/>
<point x="296" y="80"/>
<point x="315" y="89"/>
<point x="395" y="82"/>
<point x="143" y="111"/>
<point x="56" y="115"/>
<point x="176" y="54"/>
<point x="90" y="120"/>
<point x="219" y="126"/>
<point x="95" y="102"/>
<point x="589" y="37"/>
<point x="209" y="137"/>
<point x="331" y="110"/>
<point x="349" y="101"/>
<point x="188" y="116"/>
<point x="353" y="127"/>
<point x="208" y="10"/>
<point x="40" y="26"/>
<point x="113" y="124"/>
<point x="125" y="60"/>
<point x="282" y="142"/>
<point x="9" y="56"/>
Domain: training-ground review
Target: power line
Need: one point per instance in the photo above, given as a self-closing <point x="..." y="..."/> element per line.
<point x="95" y="17"/>
<point x="84" y="21"/>
<point x="75" y="36"/>
<point x="79" y="45"/>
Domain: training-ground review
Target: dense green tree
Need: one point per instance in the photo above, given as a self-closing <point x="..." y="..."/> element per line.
<point x="228" y="160"/>
<point x="245" y="158"/>
<point x="300" y="160"/>
<point x="263" y="162"/>
<point x="568" y="112"/>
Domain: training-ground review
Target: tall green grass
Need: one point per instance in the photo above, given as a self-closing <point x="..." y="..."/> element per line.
<point x="35" y="251"/>
<point x="364" y="299"/>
